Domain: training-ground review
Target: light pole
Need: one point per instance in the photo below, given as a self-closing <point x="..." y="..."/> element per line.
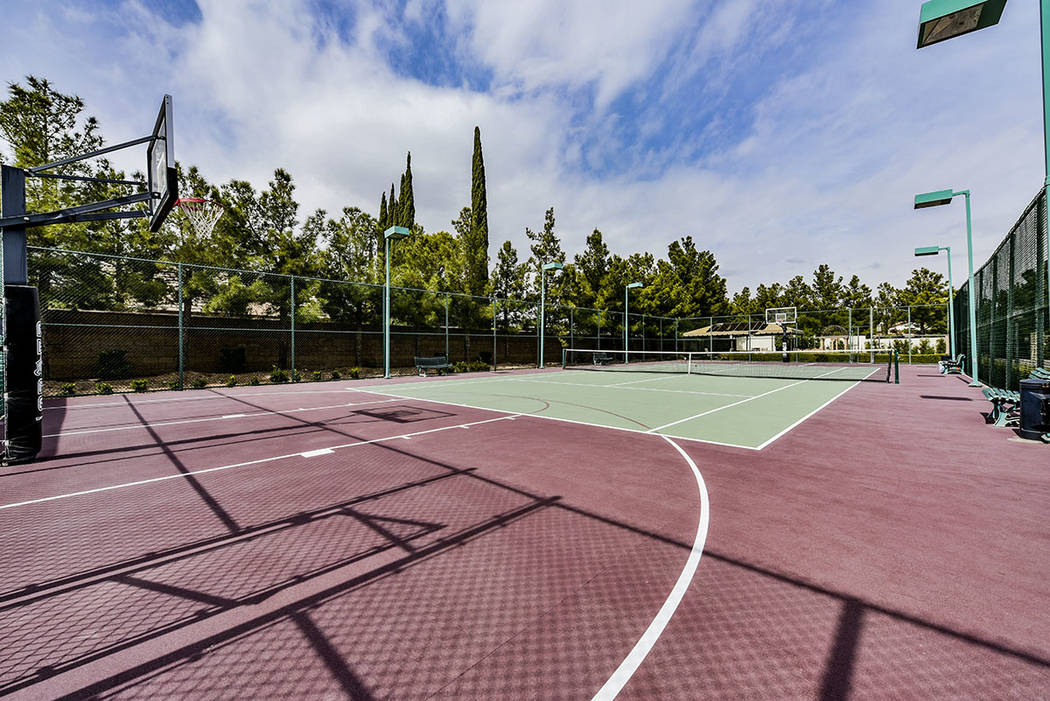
<point x="626" y="321"/>
<point x="935" y="199"/>
<point x="554" y="265"/>
<point x="932" y="251"/>
<point x="394" y="232"/>
<point x="946" y="19"/>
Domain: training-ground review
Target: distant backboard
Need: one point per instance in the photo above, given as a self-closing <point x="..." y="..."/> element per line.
<point x="160" y="167"/>
<point x="781" y="315"/>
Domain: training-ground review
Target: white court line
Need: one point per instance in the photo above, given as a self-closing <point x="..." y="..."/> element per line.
<point x="645" y="644"/>
<point x="742" y="401"/>
<point x="203" y="397"/>
<point x="618" y="386"/>
<point x="253" y="414"/>
<point x="763" y="445"/>
<point x="260" y="461"/>
<point x="650" y="379"/>
<point x="556" y="418"/>
<point x="724" y="406"/>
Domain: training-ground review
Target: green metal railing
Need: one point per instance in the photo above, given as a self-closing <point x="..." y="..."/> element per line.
<point x="1012" y="304"/>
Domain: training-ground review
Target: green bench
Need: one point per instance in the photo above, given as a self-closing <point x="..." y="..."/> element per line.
<point x="438" y="362"/>
<point x="602" y="358"/>
<point x="1005" y="402"/>
<point x="952" y="367"/>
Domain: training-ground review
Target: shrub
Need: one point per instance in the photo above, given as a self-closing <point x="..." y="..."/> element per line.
<point x="199" y="383"/>
<point x="232" y="359"/>
<point x="277" y="375"/>
<point x="941" y="348"/>
<point x="354" y="373"/>
<point x="479" y="366"/>
<point x="140" y="385"/>
<point x="67" y="390"/>
<point x="336" y="375"/>
<point x="174" y="384"/>
<point x="113" y="364"/>
<point x="296" y="376"/>
<point x="103" y="388"/>
<point x="231" y="381"/>
<point x="317" y="376"/>
<point x="460" y="366"/>
<point x="254" y="381"/>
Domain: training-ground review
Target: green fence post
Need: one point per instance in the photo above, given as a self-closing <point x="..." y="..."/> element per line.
<point x="676" y="334"/>
<point x="572" y="328"/>
<point x="446" y="327"/>
<point x="293" y="330"/>
<point x="909" y="334"/>
<point x="182" y="342"/>
<point x="871" y="331"/>
<point x="599" y="329"/>
<point x="849" y="332"/>
<point x="493" y="335"/>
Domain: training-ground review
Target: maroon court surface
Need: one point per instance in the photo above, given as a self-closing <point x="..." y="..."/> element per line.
<point x="321" y="541"/>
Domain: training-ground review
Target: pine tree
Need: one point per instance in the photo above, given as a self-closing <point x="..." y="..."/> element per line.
<point x="408" y="200"/>
<point x="545" y="247"/>
<point x="478" y="241"/>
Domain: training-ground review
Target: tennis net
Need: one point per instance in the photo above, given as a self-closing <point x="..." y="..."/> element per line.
<point x="852" y="366"/>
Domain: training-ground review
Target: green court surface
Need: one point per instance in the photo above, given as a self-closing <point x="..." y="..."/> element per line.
<point x="744" y="412"/>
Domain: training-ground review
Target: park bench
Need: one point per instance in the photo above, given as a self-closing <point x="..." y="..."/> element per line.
<point x="602" y="358"/>
<point x="1005" y="402"/>
<point x="952" y="367"/>
<point x="437" y="362"/>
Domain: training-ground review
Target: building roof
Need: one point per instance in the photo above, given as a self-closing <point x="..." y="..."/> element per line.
<point x="739" y="328"/>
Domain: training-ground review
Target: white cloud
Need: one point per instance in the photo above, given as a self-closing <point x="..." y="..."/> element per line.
<point x="825" y="172"/>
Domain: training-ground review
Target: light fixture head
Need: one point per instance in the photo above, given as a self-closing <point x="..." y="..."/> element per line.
<point x="933" y="199"/>
<point x="633" y="285"/>
<point x="397" y="232"/>
<point x="940" y="20"/>
<point x="927" y="251"/>
<point x="553" y="265"/>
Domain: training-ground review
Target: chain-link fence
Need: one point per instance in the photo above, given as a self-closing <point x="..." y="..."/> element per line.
<point x="114" y="322"/>
<point x="1011" y="307"/>
<point x="111" y="320"/>
<point x="919" y="332"/>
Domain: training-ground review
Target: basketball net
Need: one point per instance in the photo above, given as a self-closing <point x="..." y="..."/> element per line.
<point x="202" y="214"/>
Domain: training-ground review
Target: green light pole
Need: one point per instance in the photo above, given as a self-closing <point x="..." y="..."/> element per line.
<point x="555" y="265"/>
<point x="394" y="232"/>
<point x="936" y="199"/>
<point x="627" y="321"/>
<point x="946" y="19"/>
<point x="932" y="251"/>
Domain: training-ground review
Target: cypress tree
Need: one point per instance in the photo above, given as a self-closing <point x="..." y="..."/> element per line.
<point x="479" y="222"/>
<point x="392" y="213"/>
<point x="382" y="214"/>
<point x="408" y="200"/>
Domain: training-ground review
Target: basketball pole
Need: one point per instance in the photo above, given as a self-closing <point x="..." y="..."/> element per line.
<point x="13" y="204"/>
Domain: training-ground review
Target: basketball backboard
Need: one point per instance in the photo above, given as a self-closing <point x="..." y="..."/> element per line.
<point x="160" y="167"/>
<point x="782" y="315"/>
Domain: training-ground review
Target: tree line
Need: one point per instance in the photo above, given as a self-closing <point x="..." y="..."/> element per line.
<point x="263" y="230"/>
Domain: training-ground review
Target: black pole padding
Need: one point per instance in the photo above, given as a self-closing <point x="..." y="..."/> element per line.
<point x="23" y="376"/>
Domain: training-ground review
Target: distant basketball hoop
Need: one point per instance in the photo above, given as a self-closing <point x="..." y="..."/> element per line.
<point x="202" y="214"/>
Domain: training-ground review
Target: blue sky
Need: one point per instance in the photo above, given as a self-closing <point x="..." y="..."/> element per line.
<point x="780" y="135"/>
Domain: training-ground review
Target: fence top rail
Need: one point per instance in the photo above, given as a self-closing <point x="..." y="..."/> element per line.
<point x="1006" y="239"/>
<point x="487" y="300"/>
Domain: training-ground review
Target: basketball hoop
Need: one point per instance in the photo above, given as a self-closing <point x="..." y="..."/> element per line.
<point x="202" y="214"/>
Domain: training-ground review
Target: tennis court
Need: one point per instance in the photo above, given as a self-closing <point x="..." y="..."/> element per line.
<point x="527" y="535"/>
<point x="715" y="398"/>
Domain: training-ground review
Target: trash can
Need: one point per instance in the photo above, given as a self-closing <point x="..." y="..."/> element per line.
<point x="1035" y="409"/>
